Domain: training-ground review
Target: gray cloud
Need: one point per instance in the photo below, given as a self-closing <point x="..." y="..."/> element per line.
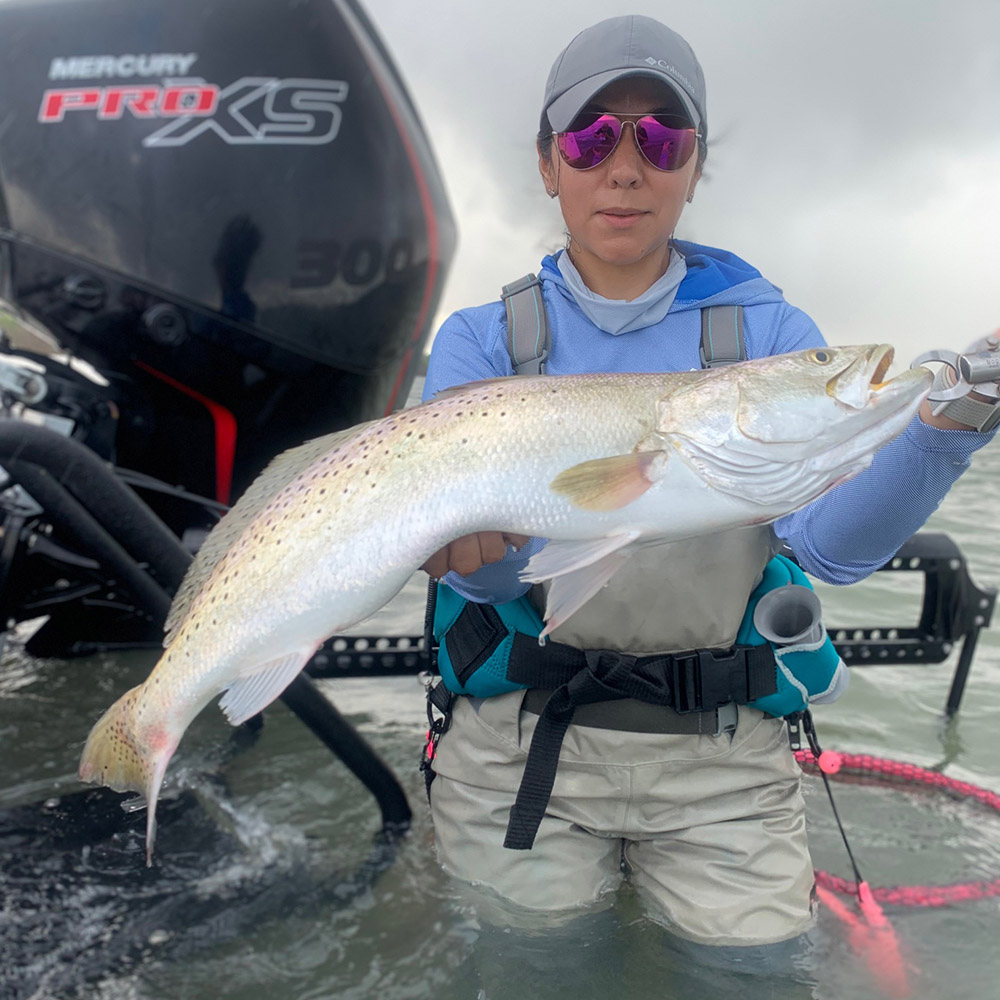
<point x="855" y="156"/>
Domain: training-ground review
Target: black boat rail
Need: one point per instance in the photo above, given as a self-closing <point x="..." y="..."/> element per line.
<point x="954" y="611"/>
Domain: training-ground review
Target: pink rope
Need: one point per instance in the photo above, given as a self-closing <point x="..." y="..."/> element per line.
<point x="905" y="895"/>
<point x="872" y="937"/>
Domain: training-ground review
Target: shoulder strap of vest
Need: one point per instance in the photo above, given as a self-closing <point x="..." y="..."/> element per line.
<point x="529" y="336"/>
<point x="722" y="340"/>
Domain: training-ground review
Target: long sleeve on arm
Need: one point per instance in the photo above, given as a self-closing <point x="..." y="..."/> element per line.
<point x="461" y="355"/>
<point x="856" y="528"/>
<point x="496" y="583"/>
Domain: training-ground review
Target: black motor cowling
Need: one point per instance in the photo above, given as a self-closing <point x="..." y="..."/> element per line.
<point x="228" y="219"/>
<point x="228" y="208"/>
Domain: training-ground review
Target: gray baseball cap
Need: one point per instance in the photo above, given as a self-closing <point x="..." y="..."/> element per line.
<point x="632" y="45"/>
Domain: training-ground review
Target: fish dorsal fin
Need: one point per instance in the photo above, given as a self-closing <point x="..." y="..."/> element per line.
<point x="252" y="693"/>
<point x="609" y="483"/>
<point x="457" y="390"/>
<point x="282" y="470"/>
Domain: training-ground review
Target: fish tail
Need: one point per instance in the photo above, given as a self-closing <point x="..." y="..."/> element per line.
<point x="120" y="755"/>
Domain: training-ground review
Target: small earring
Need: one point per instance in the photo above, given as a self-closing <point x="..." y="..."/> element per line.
<point x="690" y="197"/>
<point x="551" y="193"/>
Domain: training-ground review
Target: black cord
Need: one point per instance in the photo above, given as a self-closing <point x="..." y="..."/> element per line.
<point x="144" y="481"/>
<point x="432" y="586"/>
<point x="810" y="731"/>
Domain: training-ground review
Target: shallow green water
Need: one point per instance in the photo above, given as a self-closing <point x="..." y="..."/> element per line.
<point x="271" y="912"/>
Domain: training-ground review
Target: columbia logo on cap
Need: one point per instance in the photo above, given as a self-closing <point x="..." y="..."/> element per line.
<point x="672" y="70"/>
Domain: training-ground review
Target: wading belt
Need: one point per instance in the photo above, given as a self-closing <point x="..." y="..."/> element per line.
<point x="699" y="681"/>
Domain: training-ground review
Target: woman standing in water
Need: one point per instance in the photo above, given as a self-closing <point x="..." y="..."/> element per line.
<point x="699" y="808"/>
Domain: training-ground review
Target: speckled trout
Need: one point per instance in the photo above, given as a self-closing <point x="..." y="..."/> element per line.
<point x="597" y="464"/>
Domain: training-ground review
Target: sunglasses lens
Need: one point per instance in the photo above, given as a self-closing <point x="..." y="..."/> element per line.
<point x="591" y="142"/>
<point x="666" y="147"/>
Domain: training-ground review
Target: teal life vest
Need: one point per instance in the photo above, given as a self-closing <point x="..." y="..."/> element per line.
<point x="474" y="658"/>
<point x="804" y="672"/>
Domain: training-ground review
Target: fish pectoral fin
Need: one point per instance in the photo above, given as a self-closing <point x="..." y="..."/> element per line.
<point x="609" y="483"/>
<point x="568" y="593"/>
<point x="251" y="694"/>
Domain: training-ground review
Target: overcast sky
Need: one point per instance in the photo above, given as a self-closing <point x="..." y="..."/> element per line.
<point x="854" y="148"/>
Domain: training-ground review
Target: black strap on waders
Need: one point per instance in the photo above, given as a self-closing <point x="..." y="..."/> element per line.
<point x="700" y="681"/>
<point x="438" y="696"/>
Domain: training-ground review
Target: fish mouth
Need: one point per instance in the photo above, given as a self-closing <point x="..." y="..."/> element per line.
<point x="881" y="367"/>
<point x="864" y="381"/>
<point x="825" y="444"/>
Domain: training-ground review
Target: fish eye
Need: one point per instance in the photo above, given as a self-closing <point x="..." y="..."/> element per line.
<point x="821" y="357"/>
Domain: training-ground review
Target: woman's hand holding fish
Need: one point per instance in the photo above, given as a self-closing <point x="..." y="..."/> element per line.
<point x="471" y="552"/>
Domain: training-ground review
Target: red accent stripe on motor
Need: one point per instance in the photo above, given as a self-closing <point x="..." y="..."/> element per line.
<point x="225" y="432"/>
<point x="427" y="205"/>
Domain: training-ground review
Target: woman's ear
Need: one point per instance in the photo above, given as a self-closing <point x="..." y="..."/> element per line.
<point x="694" y="183"/>
<point x="550" y="175"/>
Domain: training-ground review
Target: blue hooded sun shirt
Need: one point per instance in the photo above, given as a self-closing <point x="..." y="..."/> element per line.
<point x="840" y="538"/>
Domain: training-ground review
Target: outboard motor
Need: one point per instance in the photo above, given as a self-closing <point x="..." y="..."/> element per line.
<point x="227" y="220"/>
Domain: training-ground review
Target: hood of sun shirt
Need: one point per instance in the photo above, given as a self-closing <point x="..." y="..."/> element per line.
<point x="622" y="315"/>
<point x="712" y="277"/>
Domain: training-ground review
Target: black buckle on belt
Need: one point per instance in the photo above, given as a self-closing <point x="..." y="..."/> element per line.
<point x="703" y="679"/>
